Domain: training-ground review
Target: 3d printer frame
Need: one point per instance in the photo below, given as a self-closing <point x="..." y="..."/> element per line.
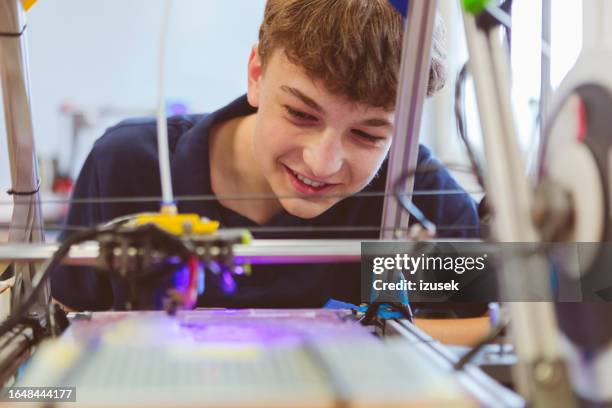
<point x="508" y="190"/>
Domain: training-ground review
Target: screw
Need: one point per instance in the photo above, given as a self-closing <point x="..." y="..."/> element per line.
<point x="545" y="372"/>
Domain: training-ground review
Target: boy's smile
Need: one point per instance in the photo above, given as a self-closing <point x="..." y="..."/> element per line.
<point x="308" y="185"/>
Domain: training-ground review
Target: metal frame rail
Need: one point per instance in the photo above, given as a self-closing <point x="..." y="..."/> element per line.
<point x="15" y="349"/>
<point x="266" y="251"/>
<point x="486" y="390"/>
<point x="540" y="374"/>
<point x="412" y="89"/>
<point x="26" y="223"/>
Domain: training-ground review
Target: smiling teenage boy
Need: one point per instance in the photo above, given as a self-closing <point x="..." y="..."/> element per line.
<point x="313" y="130"/>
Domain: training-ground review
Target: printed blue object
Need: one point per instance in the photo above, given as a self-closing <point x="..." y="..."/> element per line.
<point x="338" y="304"/>
<point x="385" y="311"/>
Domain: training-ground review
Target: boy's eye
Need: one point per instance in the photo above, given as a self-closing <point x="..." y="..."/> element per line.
<point x="299" y="115"/>
<point x="368" y="137"/>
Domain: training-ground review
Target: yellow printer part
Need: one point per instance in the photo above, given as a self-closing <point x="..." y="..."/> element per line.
<point x="178" y="224"/>
<point x="27" y="4"/>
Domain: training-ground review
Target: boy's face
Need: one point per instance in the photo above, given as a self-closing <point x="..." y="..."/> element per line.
<point x="313" y="148"/>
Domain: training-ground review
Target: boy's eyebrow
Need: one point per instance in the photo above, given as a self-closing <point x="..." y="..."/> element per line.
<point x="374" y="122"/>
<point x="377" y="122"/>
<point x="308" y="101"/>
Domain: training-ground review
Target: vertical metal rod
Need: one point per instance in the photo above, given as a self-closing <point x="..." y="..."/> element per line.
<point x="534" y="325"/>
<point x="592" y="23"/>
<point x="26" y="223"/>
<point x="545" y="57"/>
<point x="168" y="205"/>
<point x="412" y="89"/>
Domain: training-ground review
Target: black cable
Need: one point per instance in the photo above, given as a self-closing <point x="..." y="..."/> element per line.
<point x="494" y="15"/>
<point x="13" y="35"/>
<point x="462" y="126"/>
<point x="21" y="313"/>
<point x="153" y="232"/>
<point x="12" y="191"/>
<point x="495" y="332"/>
<point x="507" y="6"/>
<point x="407" y="204"/>
<point x="371" y="315"/>
<point x="212" y="197"/>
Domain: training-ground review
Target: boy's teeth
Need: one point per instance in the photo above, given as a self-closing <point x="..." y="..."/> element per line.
<point x="308" y="181"/>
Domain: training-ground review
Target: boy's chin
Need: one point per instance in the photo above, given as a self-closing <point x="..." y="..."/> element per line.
<point x="303" y="208"/>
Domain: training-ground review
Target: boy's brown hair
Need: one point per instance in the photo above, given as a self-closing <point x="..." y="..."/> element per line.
<point x="352" y="46"/>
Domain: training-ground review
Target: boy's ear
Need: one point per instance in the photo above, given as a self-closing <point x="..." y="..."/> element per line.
<point x="254" y="77"/>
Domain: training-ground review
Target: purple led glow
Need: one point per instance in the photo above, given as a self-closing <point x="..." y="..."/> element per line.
<point x="228" y="284"/>
<point x="269" y="326"/>
<point x="201" y="280"/>
<point x="181" y="278"/>
<point x="177" y="108"/>
<point x="238" y="270"/>
<point x="175" y="260"/>
<point x="214" y="267"/>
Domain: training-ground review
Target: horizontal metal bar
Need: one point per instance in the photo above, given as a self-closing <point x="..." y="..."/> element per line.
<point x="277" y="251"/>
<point x="266" y="251"/>
<point x="15" y="349"/>
<point x="481" y="386"/>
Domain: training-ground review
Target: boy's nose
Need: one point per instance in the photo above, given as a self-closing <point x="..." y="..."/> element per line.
<point x="324" y="155"/>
